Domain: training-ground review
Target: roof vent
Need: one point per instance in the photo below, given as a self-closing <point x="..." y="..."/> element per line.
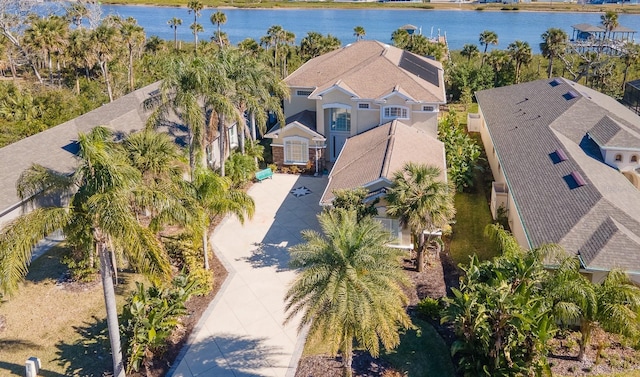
<point x="561" y="155"/>
<point x="578" y="178"/>
<point x="570" y="95"/>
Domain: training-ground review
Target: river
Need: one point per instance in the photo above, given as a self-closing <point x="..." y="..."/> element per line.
<point x="460" y="26"/>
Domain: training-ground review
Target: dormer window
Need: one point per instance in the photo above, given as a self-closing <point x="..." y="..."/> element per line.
<point x="395" y="112"/>
<point x="618" y="157"/>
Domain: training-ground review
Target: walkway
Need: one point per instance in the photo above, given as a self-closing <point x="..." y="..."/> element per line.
<point x="241" y="334"/>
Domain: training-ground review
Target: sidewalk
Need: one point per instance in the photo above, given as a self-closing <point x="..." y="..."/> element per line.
<point x="241" y="334"/>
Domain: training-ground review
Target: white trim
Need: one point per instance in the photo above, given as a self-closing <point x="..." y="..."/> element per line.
<point x="296" y="124"/>
<point x="305" y="150"/>
<point x="405" y="108"/>
<point x="336" y="105"/>
<point x="332" y="88"/>
<point x="397" y="93"/>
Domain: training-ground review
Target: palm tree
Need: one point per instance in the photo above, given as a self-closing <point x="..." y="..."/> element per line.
<point x="214" y="196"/>
<point x="554" y="42"/>
<point x="469" y="50"/>
<point x="613" y="305"/>
<point x="422" y="202"/>
<point x="497" y="59"/>
<point x="174" y="22"/>
<point x="609" y="21"/>
<point x="487" y="38"/>
<point x="48" y="35"/>
<point x="219" y="18"/>
<point x="349" y="287"/>
<point x="359" y="33"/>
<point x="521" y="54"/>
<point x="134" y="37"/>
<point x="315" y="44"/>
<point x="103" y="186"/>
<point x="102" y="45"/>
<point x="195" y="6"/>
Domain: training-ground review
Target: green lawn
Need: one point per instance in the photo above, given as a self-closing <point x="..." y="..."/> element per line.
<point x="65" y="328"/>
<point x="472" y="216"/>
<point x="422" y="353"/>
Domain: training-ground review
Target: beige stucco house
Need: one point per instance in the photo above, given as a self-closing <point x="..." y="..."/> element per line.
<point x="563" y="158"/>
<point x="349" y="91"/>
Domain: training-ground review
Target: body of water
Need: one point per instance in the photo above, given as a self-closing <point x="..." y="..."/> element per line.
<point x="461" y="27"/>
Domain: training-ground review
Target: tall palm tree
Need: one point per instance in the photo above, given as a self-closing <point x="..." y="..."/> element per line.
<point x="609" y="21"/>
<point x="174" y="22"/>
<point x="103" y="186"/>
<point x="498" y="59"/>
<point x="103" y="46"/>
<point x="469" y="50"/>
<point x="214" y="196"/>
<point x="134" y="38"/>
<point x="613" y="305"/>
<point x="349" y="287"/>
<point x="195" y="6"/>
<point x="520" y="53"/>
<point x="359" y="32"/>
<point x="219" y="18"/>
<point x="554" y="43"/>
<point x="487" y="38"/>
<point x="315" y="44"/>
<point x="422" y="202"/>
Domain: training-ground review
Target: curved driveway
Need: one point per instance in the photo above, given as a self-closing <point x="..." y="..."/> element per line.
<point x="241" y="334"/>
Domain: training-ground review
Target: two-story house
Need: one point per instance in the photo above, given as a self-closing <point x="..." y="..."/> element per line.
<point x="349" y="91"/>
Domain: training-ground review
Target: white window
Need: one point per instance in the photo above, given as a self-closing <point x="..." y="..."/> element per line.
<point x="233" y="136"/>
<point x="395" y="112"/>
<point x="428" y="108"/>
<point x="363" y="106"/>
<point x="296" y="150"/>
<point x="340" y="119"/>
<point x="304" y="93"/>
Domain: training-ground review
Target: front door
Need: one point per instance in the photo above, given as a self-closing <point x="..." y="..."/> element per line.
<point x="337" y="142"/>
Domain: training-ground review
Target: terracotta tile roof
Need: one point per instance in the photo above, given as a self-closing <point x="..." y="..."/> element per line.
<point x="55" y="149"/>
<point x="370" y="70"/>
<point x="379" y="152"/>
<point x="527" y="124"/>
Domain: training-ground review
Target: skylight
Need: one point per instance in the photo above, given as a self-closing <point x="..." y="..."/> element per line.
<point x="570" y="95"/>
<point x="580" y="181"/>
<point x="561" y="155"/>
<point x="555" y="82"/>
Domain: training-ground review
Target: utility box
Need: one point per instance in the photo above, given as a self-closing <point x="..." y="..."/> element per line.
<point x="32" y="367"/>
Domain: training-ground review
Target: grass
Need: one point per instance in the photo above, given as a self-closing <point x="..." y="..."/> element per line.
<point x="65" y="328"/>
<point x="422" y="352"/>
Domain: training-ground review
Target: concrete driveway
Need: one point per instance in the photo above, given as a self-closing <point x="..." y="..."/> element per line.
<point x="242" y="334"/>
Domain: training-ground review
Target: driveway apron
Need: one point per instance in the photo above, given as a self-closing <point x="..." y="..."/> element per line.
<point x="241" y="334"/>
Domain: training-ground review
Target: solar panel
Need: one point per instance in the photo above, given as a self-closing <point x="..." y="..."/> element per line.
<point x="417" y="66"/>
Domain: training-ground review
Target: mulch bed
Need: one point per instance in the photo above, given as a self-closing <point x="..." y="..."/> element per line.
<point x="196" y="305"/>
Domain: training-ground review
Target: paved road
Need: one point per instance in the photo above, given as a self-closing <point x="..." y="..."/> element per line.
<point x="242" y="334"/>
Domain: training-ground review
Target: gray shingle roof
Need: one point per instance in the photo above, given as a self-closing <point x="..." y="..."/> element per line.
<point x="609" y="133"/>
<point x="54" y="148"/>
<point x="528" y="123"/>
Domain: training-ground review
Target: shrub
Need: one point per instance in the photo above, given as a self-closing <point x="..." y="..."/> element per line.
<point x="150" y="315"/>
<point x="188" y="257"/>
<point x="273" y="167"/>
<point x="462" y="152"/>
<point x="240" y="169"/>
<point x="429" y="308"/>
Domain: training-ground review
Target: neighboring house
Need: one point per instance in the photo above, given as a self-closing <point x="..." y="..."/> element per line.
<point x="560" y="154"/>
<point x="56" y="147"/>
<point x="352" y="90"/>
<point x="370" y="159"/>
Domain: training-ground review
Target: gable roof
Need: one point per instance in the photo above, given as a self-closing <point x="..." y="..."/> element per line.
<point x="378" y="153"/>
<point x="55" y="148"/>
<point x="610" y="133"/>
<point x="528" y="123"/>
<point x="304" y="120"/>
<point x="370" y="70"/>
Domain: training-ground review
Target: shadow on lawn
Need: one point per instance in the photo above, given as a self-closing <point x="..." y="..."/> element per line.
<point x="19" y="370"/>
<point x="88" y="356"/>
